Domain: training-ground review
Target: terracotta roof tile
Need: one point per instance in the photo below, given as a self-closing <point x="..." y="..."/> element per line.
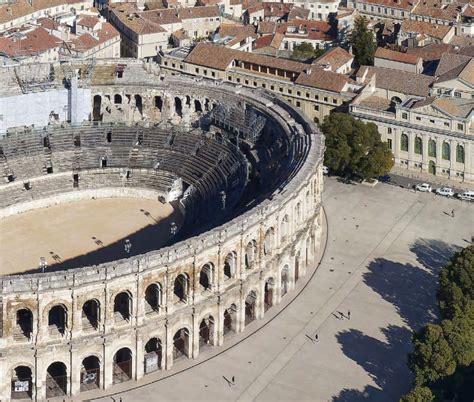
<point x="437" y="31"/>
<point x="34" y="42"/>
<point x="336" y="57"/>
<point x="400" y="57"/>
<point x="319" y="78"/>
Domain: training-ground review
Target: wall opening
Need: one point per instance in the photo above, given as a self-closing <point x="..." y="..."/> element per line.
<point x="24" y="323"/>
<point x="206" y="332"/>
<point x="21" y="383"/>
<point x="181" y="344"/>
<point x="90" y="373"/>
<point x="250" y="307"/>
<point x="90" y="314"/>
<point x="153" y="355"/>
<point x="57" y="319"/>
<point x="181" y="288"/>
<point x="153" y="298"/>
<point x="122" y="367"/>
<point x="122" y="307"/>
<point x="56" y="380"/>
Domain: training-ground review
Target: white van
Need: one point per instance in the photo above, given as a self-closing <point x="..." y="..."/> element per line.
<point x="467" y="196"/>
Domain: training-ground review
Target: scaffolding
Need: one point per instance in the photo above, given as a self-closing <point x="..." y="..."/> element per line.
<point x="239" y="122"/>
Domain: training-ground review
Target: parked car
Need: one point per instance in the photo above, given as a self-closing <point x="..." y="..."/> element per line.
<point x="384" y="179"/>
<point x="445" y="191"/>
<point x="423" y="187"/>
<point x="466" y="195"/>
<point x="325" y="170"/>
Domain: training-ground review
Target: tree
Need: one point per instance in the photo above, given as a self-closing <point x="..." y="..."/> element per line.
<point x="456" y="283"/>
<point x="353" y="146"/>
<point x="418" y="394"/>
<point x="432" y="358"/>
<point x="459" y="333"/>
<point x="305" y="51"/>
<point x="362" y="41"/>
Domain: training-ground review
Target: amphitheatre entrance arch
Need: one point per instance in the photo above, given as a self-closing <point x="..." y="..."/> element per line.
<point x="22" y="383"/>
<point x="56" y="380"/>
<point x="230" y="320"/>
<point x="122" y="367"/>
<point x="181" y="346"/>
<point x="153" y="355"/>
<point x="90" y="373"/>
<point x="269" y="290"/>
<point x="206" y="332"/>
<point x="250" y="307"/>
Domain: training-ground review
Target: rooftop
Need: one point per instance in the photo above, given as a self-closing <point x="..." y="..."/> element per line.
<point x="437" y="31"/>
<point x="336" y="57"/>
<point x="400" y="57"/>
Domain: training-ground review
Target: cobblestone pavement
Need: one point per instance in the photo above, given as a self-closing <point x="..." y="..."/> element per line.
<point x="376" y="283"/>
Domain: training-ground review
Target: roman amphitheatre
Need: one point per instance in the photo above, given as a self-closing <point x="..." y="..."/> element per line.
<point x="178" y="215"/>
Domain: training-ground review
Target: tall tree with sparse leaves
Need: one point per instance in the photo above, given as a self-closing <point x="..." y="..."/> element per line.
<point x="363" y="42"/>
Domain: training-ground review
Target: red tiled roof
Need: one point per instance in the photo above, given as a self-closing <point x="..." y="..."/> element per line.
<point x="37" y="41"/>
<point x="400" y="57"/>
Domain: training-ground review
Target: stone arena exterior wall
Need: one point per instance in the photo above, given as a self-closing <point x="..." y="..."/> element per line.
<point x="271" y="246"/>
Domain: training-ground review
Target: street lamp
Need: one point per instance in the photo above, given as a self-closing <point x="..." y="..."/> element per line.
<point x="43" y="264"/>
<point x="127" y="246"/>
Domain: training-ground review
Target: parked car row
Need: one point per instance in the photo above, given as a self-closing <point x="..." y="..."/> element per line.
<point x="467" y="195"/>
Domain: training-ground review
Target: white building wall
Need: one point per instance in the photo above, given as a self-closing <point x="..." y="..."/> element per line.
<point x="35" y="108"/>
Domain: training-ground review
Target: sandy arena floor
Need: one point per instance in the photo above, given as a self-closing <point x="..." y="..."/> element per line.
<point x="88" y="231"/>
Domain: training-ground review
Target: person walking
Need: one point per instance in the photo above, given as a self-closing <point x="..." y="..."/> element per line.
<point x="452" y="213"/>
<point x="349" y="314"/>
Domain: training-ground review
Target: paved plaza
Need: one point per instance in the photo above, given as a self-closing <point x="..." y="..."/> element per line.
<point x="385" y="246"/>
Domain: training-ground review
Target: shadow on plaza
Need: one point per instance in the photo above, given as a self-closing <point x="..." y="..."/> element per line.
<point x="411" y="289"/>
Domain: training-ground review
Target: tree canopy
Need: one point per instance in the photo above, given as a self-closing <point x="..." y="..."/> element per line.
<point x="443" y="356"/>
<point x="353" y="146"/>
<point x="306" y="50"/>
<point x="363" y="42"/>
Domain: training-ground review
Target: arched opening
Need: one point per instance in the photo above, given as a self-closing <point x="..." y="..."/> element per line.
<point x="418" y="146"/>
<point x="250" y="307"/>
<point x="395" y="101"/>
<point x="178" y="106"/>
<point x="446" y="151"/>
<point x="250" y="254"/>
<point x="268" y="297"/>
<point x="77" y="140"/>
<point x="432" y="167"/>
<point x="181" y="344"/>
<point x="188" y="100"/>
<point x="122" y="367"/>
<point x="181" y="288"/>
<point x="24" y="324"/>
<point x="432" y="148"/>
<point x="285" y="278"/>
<point x="230" y="264"/>
<point x="206" y="333"/>
<point x="118" y="99"/>
<point x="22" y="383"/>
<point x="103" y="162"/>
<point x="56" y="380"/>
<point x="269" y="242"/>
<point x="459" y="154"/>
<point x="153" y="296"/>
<point x="139" y="103"/>
<point x="297" y="266"/>
<point x="158" y="103"/>
<point x="46" y="142"/>
<point x="230" y="319"/>
<point x="197" y="106"/>
<point x="206" y="275"/>
<point x="90" y="373"/>
<point x="122" y="307"/>
<point x="404" y="143"/>
<point x="96" y="115"/>
<point x="206" y="104"/>
<point x="90" y="314"/>
<point x="57" y="318"/>
<point x="308" y="251"/>
<point x="108" y="137"/>
<point x="153" y="355"/>
<point x="285" y="228"/>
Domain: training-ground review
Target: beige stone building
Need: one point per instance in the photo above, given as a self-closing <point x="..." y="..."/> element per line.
<point x="309" y="87"/>
<point x="428" y="124"/>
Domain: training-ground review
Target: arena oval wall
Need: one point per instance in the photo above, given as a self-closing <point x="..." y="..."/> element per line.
<point x="252" y="261"/>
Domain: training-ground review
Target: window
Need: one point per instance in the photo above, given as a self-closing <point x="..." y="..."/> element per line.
<point x="325" y="99"/>
<point x="389" y="130"/>
<point x="446" y="124"/>
<point x="446" y="151"/>
<point x="432" y="121"/>
<point x="404" y="143"/>
<point x="460" y="126"/>
<point x="316" y="107"/>
<point x="460" y="154"/>
<point x="404" y="116"/>
<point x="272" y="87"/>
<point x="457" y="94"/>
<point x="418" y="146"/>
<point x="432" y="148"/>
<point x="316" y="97"/>
<point x="298" y="93"/>
<point x="334" y="101"/>
<point x="196" y="70"/>
<point x="298" y="103"/>
<point x="246" y="82"/>
<point x="418" y="118"/>
<point x="389" y="143"/>
<point x="290" y="91"/>
<point x="213" y="73"/>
